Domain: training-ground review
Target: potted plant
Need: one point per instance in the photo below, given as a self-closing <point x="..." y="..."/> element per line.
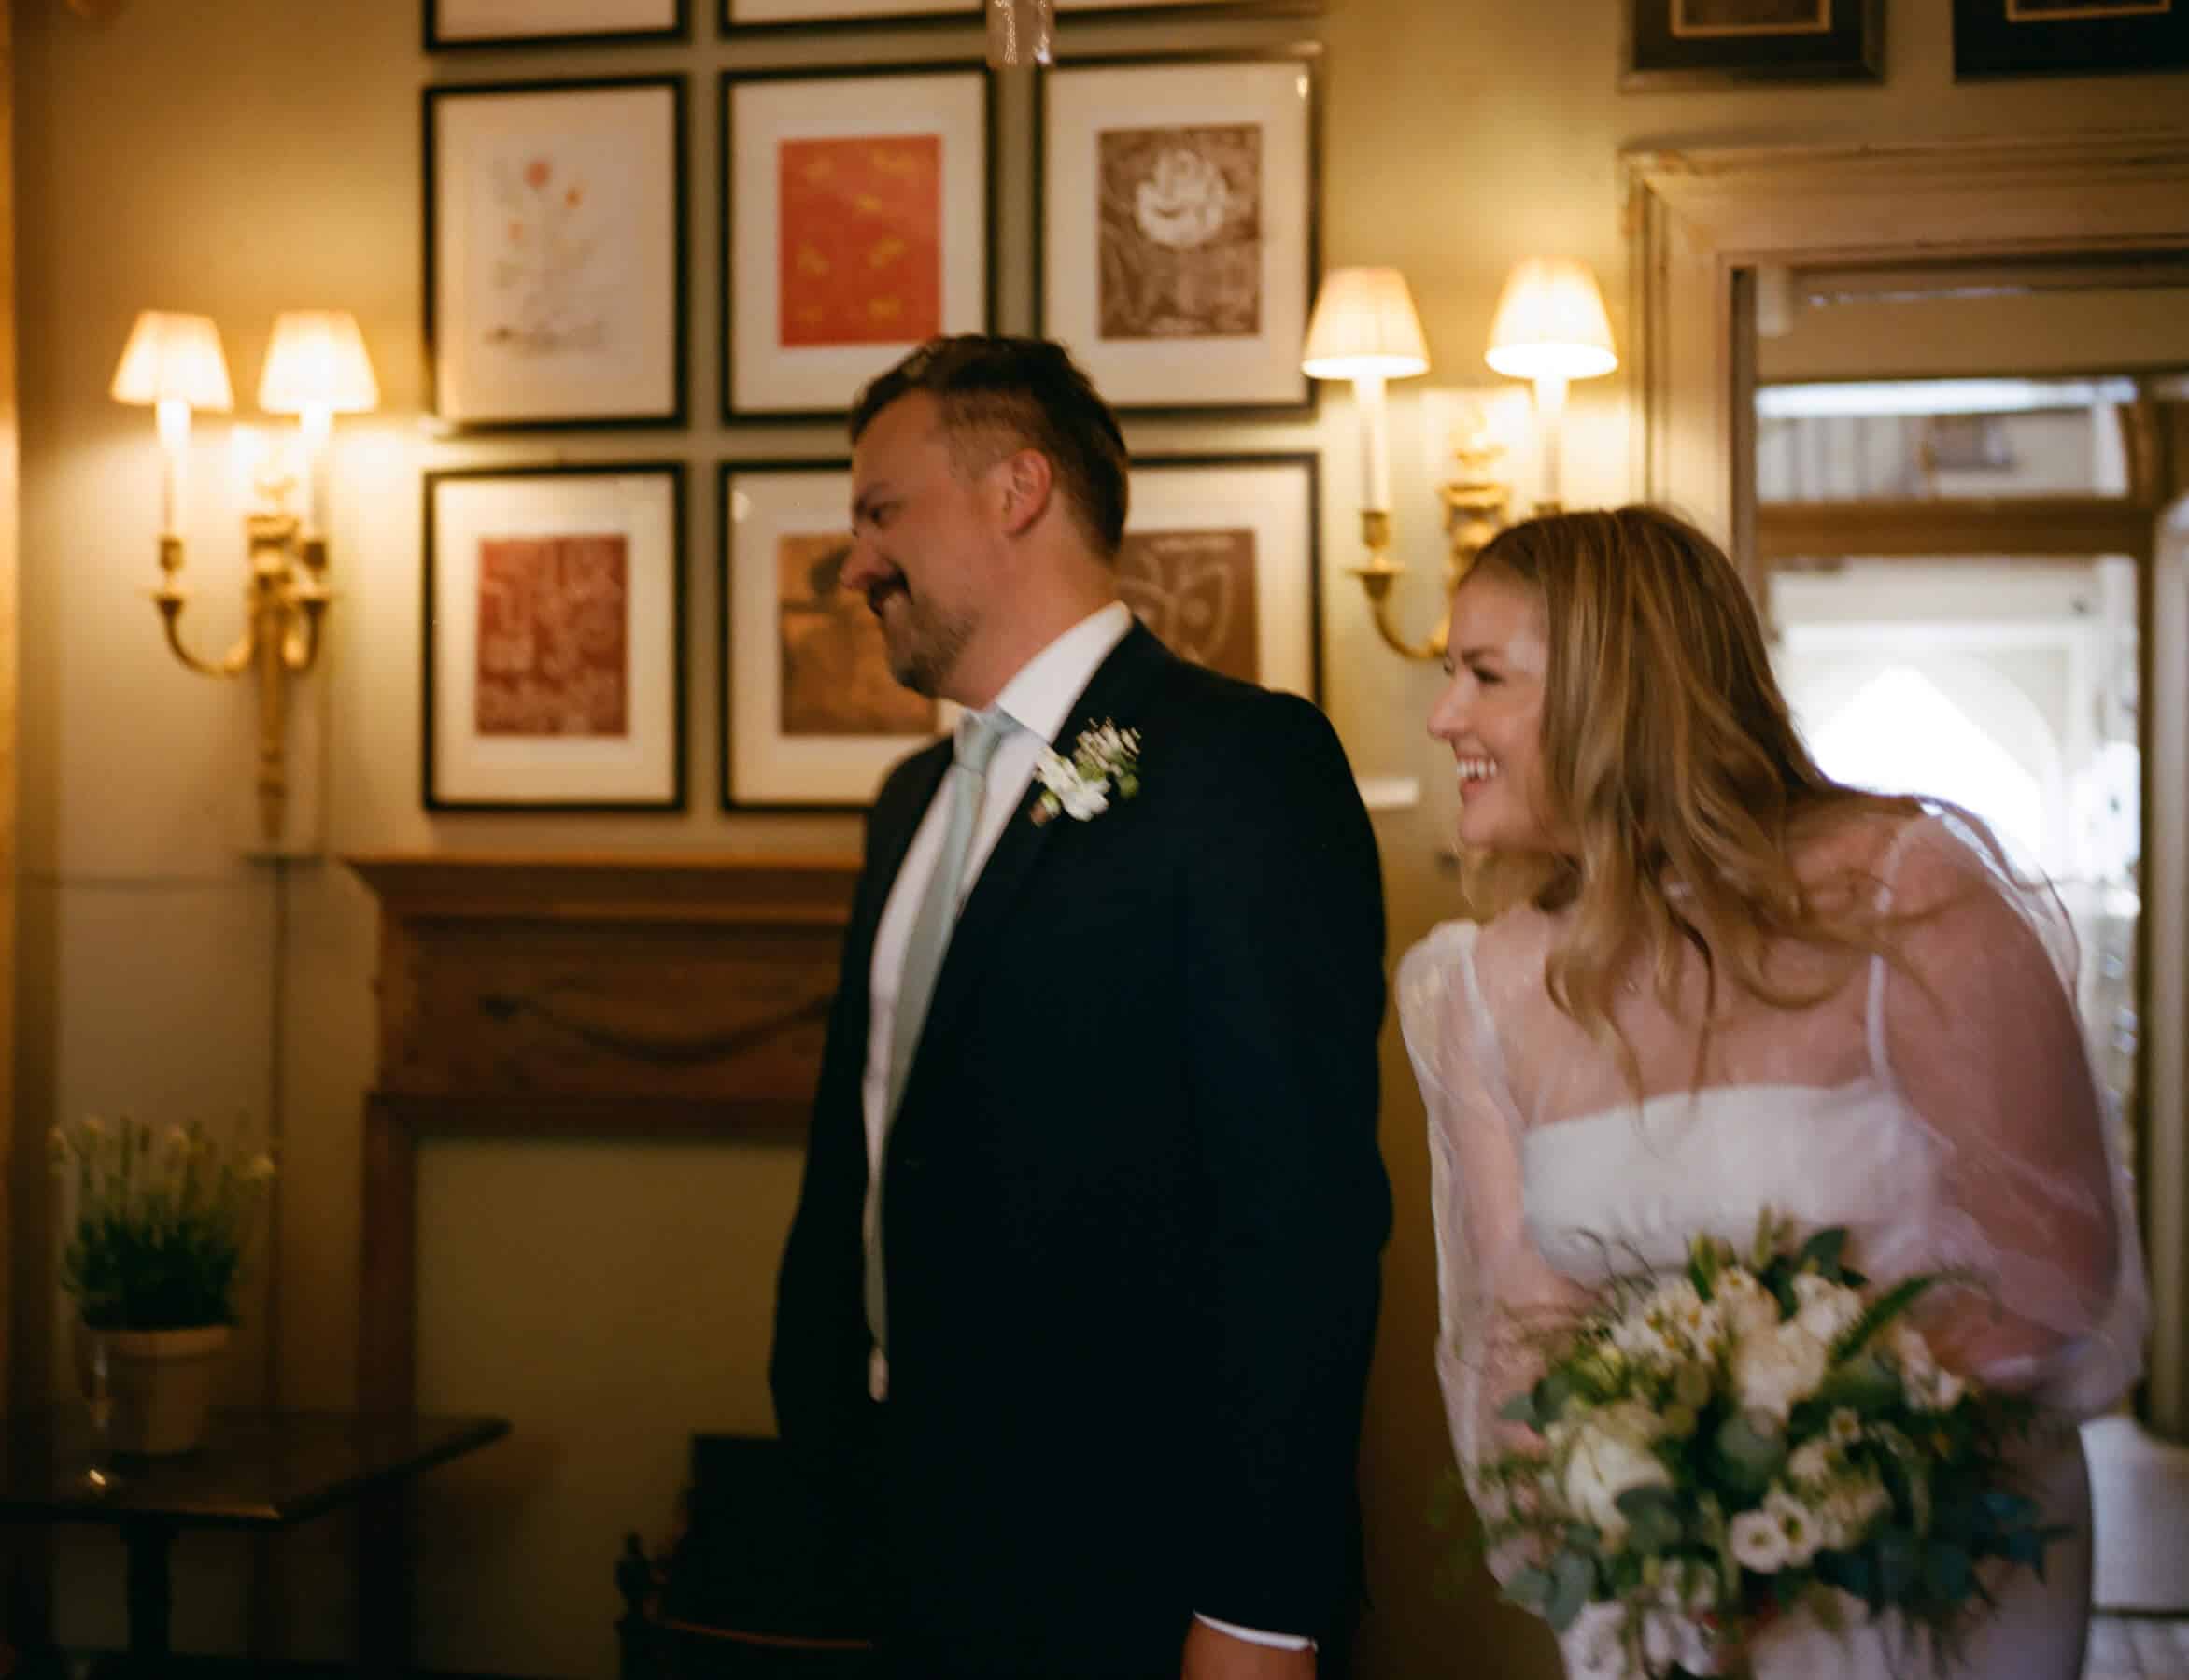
<point x="156" y="1228"/>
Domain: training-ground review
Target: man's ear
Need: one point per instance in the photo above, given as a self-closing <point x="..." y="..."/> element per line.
<point x="1027" y="482"/>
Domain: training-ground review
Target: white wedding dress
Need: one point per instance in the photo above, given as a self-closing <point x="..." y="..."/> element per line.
<point x="1942" y="1107"/>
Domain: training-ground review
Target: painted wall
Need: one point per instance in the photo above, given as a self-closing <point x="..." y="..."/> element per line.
<point x="237" y="157"/>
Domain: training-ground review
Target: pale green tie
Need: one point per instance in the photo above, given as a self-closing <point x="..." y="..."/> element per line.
<point x="979" y="734"/>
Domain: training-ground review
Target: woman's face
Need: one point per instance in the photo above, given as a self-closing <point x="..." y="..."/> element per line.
<point x="1491" y="714"/>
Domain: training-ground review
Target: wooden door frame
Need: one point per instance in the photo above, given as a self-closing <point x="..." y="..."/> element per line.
<point x="1699" y="222"/>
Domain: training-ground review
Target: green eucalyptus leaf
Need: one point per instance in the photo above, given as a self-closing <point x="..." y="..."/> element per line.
<point x="1573" y="1577"/>
<point x="1530" y="1589"/>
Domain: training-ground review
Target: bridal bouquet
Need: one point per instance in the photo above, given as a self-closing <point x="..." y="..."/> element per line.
<point x="1714" y="1448"/>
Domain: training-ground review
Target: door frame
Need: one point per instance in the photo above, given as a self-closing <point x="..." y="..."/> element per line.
<point x="1698" y="224"/>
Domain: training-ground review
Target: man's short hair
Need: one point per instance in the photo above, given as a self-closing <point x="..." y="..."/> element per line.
<point x="998" y="394"/>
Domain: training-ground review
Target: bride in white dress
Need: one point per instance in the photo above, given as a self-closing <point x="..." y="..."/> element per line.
<point x="1720" y="982"/>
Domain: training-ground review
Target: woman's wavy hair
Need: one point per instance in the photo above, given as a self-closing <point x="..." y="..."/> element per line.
<point x="1669" y="754"/>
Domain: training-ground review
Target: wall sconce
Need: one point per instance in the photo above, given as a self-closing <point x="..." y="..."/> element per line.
<point x="1550" y="328"/>
<point x="1364" y="329"/>
<point x="315" y="368"/>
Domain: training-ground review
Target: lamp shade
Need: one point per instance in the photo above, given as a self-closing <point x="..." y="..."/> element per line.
<point x="172" y="358"/>
<point x="317" y="359"/>
<point x="1550" y="323"/>
<point x="1365" y="324"/>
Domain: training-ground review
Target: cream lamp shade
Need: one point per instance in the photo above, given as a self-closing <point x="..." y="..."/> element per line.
<point x="1550" y="323"/>
<point x="1364" y="327"/>
<point x="174" y="359"/>
<point x="317" y="359"/>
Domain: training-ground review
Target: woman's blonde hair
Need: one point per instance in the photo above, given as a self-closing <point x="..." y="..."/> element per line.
<point x="1669" y="754"/>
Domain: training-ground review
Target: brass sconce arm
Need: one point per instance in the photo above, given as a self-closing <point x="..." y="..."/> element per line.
<point x="286" y="599"/>
<point x="1475" y="509"/>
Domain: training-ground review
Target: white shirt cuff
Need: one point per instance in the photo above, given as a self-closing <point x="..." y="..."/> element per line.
<point x="1283" y="1642"/>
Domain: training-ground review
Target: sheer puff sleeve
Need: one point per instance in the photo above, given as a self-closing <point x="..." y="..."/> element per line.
<point x="1491" y="1282"/>
<point x="1973" y="1023"/>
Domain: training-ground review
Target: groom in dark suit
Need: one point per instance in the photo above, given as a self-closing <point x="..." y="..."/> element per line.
<point x="1077" y="1308"/>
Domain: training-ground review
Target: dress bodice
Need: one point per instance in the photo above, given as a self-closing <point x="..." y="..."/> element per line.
<point x="1633" y="1185"/>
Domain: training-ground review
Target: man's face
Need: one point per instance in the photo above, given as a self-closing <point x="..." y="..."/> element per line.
<point x="919" y="543"/>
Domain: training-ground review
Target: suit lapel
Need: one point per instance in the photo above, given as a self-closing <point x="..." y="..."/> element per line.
<point x="1115" y="693"/>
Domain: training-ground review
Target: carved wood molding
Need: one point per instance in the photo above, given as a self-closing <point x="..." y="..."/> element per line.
<point x="580" y="997"/>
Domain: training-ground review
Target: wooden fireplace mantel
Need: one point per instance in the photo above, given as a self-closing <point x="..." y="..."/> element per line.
<point x="580" y="997"/>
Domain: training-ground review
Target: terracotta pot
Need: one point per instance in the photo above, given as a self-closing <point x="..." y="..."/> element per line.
<point x="157" y="1384"/>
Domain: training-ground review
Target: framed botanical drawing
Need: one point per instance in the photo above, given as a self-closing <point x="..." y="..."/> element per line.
<point x="810" y="715"/>
<point x="555" y="668"/>
<point x="1178" y="249"/>
<point x="554" y="253"/>
<point x="1220" y="561"/>
<point x="554" y="22"/>
<point x="1719" y="43"/>
<point x="856" y="227"/>
<point x="2069" y="37"/>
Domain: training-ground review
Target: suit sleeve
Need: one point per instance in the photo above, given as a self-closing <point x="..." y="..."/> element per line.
<point x="1284" y="949"/>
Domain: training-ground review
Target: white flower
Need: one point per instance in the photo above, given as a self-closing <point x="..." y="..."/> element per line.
<point x="1758" y="1543"/>
<point x="1798" y="1523"/>
<point x="1746" y="1307"/>
<point x="1844" y="1428"/>
<point x="1928" y="1386"/>
<point x="1851" y="1503"/>
<point x="1607" y="1454"/>
<point x="1673" y="1322"/>
<point x="1105" y="756"/>
<point x="1595" y="1644"/>
<point x="1811" y="1464"/>
<point x="1827" y="1310"/>
<point x="1773" y="1371"/>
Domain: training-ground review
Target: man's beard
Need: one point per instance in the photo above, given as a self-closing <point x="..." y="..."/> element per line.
<point x="925" y="647"/>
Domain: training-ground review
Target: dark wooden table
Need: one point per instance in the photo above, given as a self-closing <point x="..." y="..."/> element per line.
<point x="258" y="1471"/>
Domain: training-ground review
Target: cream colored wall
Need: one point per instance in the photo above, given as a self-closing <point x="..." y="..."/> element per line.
<point x="240" y="156"/>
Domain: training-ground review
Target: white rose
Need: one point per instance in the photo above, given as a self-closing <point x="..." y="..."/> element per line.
<point x="1758" y="1543"/>
<point x="1608" y="1455"/>
<point x="1774" y="1371"/>
<point x="1827" y="1310"/>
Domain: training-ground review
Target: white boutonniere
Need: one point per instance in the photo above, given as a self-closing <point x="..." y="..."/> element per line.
<point x="1106" y="760"/>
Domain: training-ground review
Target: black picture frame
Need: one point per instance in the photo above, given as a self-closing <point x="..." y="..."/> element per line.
<point x="764" y="765"/>
<point x="669" y="360"/>
<point x="436" y="40"/>
<point x="838" y="15"/>
<point x="1996" y="38"/>
<point x="1053" y="317"/>
<point x="453" y="776"/>
<point x="732" y="346"/>
<point x="1292" y="605"/>
<point x="1732" y="43"/>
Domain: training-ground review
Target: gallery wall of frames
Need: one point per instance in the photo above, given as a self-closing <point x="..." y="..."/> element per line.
<point x="1176" y="252"/>
<point x="1174" y="246"/>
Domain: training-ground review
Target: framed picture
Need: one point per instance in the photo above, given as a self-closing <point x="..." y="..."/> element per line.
<point x="856" y="226"/>
<point x="1179" y="242"/>
<point x="1220" y="561"/>
<point x="1718" y="43"/>
<point x="2069" y="37"/>
<point x="739" y="15"/>
<point x="810" y="717"/>
<point x="554" y="253"/>
<point x="555" y="669"/>
<point x="554" y="22"/>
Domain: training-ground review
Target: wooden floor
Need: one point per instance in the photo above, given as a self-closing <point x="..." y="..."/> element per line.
<point x="2138" y="1647"/>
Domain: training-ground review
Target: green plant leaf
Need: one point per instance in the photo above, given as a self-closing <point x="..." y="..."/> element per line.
<point x="1824" y="1249"/>
<point x="1573" y="1576"/>
<point x="1529" y="1589"/>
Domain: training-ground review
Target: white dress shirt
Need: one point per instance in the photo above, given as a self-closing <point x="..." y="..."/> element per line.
<point x="1039" y="698"/>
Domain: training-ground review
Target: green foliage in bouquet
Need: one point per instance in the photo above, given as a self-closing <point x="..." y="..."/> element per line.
<point x="157" y="1222"/>
<point x="1712" y="1449"/>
